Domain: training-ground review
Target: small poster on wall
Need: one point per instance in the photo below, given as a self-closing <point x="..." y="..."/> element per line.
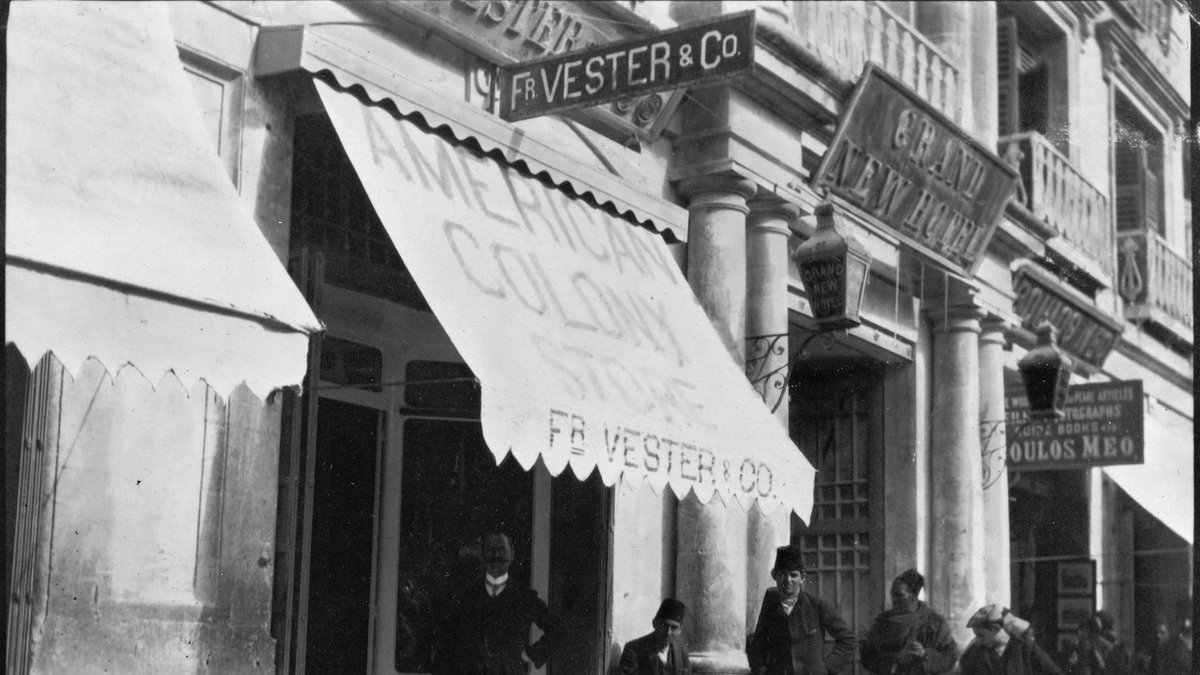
<point x="1077" y="578"/>
<point x="1076" y="602"/>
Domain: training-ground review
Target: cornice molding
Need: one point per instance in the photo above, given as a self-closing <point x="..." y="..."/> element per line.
<point x="1124" y="58"/>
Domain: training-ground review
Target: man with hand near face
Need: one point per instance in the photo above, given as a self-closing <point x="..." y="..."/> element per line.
<point x="789" y="638"/>
<point x="1003" y="645"/>
<point x="910" y="638"/>
<point x="662" y="652"/>
<point x="489" y="626"/>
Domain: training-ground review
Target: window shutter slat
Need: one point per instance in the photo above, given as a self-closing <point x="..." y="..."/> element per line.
<point x="1007" y="72"/>
<point x="1130" y="172"/>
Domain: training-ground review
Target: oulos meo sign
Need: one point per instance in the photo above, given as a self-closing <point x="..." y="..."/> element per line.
<point x="709" y="50"/>
<point x="1102" y="425"/>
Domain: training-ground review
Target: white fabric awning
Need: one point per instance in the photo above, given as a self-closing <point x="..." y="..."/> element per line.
<point x="1164" y="484"/>
<point x="126" y="240"/>
<point x="591" y="349"/>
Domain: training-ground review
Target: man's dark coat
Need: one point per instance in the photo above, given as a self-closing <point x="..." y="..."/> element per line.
<point x="640" y="657"/>
<point x="893" y="630"/>
<point x="487" y="634"/>
<point x="791" y="644"/>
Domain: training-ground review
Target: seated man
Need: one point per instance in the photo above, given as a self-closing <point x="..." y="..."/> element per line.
<point x="662" y="652"/>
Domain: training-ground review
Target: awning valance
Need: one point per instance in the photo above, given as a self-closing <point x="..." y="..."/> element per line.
<point x="539" y="145"/>
<point x="1164" y="484"/>
<point x="126" y="240"/>
<point x="591" y="349"/>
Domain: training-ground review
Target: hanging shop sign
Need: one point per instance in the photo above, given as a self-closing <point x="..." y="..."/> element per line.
<point x="902" y="161"/>
<point x="512" y="31"/>
<point x="1084" y="332"/>
<point x="1102" y="425"/>
<point x="700" y="52"/>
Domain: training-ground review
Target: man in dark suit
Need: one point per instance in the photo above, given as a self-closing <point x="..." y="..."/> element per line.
<point x="488" y="632"/>
<point x="789" y="638"/>
<point x="662" y="652"/>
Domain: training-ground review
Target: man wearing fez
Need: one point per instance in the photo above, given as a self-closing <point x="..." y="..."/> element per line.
<point x="789" y="638"/>
<point x="489" y="624"/>
<point x="910" y="638"/>
<point x="662" y="652"/>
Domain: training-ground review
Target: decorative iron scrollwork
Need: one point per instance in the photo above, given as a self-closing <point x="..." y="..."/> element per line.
<point x="768" y="367"/>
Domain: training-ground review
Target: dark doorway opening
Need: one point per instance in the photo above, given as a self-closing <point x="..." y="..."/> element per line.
<point x="579" y="571"/>
<point x="452" y="495"/>
<point x="341" y="550"/>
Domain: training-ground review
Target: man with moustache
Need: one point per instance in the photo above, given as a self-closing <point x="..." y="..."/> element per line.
<point x="490" y="621"/>
<point x="662" y="652"/>
<point x="789" y="638"/>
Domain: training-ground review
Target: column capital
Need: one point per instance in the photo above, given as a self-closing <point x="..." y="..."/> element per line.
<point x="953" y="305"/>
<point x="717" y="191"/>
<point x="994" y="329"/>
<point x="771" y="214"/>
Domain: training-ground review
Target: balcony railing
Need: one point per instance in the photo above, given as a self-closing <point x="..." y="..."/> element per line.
<point x="1155" y="281"/>
<point x="844" y="36"/>
<point x="1058" y="196"/>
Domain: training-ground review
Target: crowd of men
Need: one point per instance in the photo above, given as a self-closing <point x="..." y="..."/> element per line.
<point x="489" y="634"/>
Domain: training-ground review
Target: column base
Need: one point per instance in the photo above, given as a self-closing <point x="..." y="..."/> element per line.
<point x="723" y="663"/>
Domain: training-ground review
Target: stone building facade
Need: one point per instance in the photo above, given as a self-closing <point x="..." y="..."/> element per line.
<point x="261" y="429"/>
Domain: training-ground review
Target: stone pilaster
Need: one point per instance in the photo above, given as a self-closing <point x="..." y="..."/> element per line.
<point x="994" y="449"/>
<point x="956" y="574"/>
<point x="711" y="539"/>
<point x="767" y="359"/>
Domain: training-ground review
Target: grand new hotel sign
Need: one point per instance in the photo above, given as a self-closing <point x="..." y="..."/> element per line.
<point x="899" y="159"/>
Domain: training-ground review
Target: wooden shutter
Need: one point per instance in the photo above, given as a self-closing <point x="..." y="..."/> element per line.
<point x="1008" y="72"/>
<point x="1152" y="201"/>
<point x="1130" y="171"/>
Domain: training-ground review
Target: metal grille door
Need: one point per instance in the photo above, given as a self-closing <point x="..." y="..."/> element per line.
<point x="837" y="422"/>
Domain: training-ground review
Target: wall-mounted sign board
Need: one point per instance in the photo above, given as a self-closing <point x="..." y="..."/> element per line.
<point x="1102" y="425"/>
<point x="700" y="52"/>
<point x="900" y="160"/>
<point x="1084" y="331"/>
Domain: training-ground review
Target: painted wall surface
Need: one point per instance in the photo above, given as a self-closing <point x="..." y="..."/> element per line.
<point x="643" y="561"/>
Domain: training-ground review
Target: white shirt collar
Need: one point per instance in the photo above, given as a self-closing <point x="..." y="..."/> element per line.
<point x="496" y="581"/>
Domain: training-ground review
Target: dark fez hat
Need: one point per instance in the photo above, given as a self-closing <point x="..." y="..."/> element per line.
<point x="787" y="559"/>
<point x="671" y="610"/>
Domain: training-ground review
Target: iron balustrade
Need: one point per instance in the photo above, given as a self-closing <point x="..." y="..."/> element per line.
<point x="1154" y="280"/>
<point x="844" y="36"/>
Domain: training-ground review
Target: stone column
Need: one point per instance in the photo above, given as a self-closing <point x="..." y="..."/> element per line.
<point x="767" y="361"/>
<point x="994" y="449"/>
<point x="956" y="574"/>
<point x="710" y="567"/>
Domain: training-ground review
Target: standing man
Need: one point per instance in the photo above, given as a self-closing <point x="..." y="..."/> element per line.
<point x="662" y="652"/>
<point x="789" y="638"/>
<point x="910" y="638"/>
<point x="490" y="621"/>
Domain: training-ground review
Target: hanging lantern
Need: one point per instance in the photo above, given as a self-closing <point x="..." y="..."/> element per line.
<point x="833" y="266"/>
<point x="1046" y="371"/>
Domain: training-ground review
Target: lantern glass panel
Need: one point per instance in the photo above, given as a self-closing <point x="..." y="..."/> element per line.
<point x="856" y="285"/>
